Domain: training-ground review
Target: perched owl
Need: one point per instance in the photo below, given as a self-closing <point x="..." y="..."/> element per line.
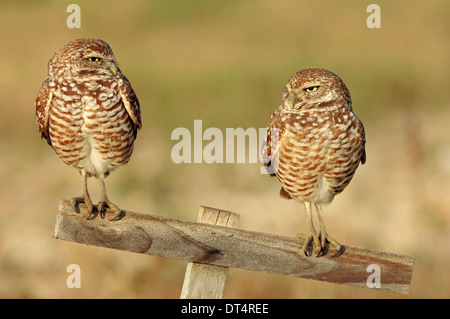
<point x="314" y="145"/>
<point x="88" y="113"/>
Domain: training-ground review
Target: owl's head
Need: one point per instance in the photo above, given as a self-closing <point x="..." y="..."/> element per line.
<point x="315" y="89"/>
<point x="83" y="58"/>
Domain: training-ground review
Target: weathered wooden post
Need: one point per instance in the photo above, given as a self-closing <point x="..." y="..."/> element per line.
<point x="203" y="281"/>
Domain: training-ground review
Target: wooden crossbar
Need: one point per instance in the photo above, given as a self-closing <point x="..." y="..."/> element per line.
<point x="236" y="248"/>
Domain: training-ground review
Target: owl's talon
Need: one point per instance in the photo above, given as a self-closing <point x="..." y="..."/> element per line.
<point x="92" y="215"/>
<point x="117" y="216"/>
<point x="320" y="245"/>
<point x="102" y="207"/>
<point x="324" y="239"/>
<point x="76" y="200"/>
<point x="316" y="247"/>
<point x="101" y="210"/>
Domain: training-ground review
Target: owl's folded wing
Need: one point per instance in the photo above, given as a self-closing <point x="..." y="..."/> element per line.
<point x="130" y="102"/>
<point x="42" y="104"/>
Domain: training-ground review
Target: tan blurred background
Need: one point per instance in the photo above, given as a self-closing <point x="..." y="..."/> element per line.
<point x="226" y="63"/>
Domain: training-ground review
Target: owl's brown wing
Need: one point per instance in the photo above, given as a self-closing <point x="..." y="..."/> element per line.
<point x="275" y="132"/>
<point x="42" y="104"/>
<point x="131" y="102"/>
<point x="363" y="138"/>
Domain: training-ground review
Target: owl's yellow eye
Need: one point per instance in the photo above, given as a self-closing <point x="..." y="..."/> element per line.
<point x="311" y="89"/>
<point x="94" y="59"/>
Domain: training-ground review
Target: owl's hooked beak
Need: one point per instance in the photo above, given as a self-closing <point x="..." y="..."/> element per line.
<point x="291" y="101"/>
<point x="113" y="68"/>
<point x="289" y="98"/>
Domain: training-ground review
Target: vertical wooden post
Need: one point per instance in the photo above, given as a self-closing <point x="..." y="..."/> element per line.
<point x="204" y="281"/>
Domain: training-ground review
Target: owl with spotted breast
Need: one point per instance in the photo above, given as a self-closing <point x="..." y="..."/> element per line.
<point x="89" y="114"/>
<point x="314" y="145"/>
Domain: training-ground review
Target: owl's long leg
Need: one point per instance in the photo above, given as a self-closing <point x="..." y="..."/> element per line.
<point x="84" y="196"/>
<point x="312" y="235"/>
<point x="324" y="238"/>
<point x="104" y="201"/>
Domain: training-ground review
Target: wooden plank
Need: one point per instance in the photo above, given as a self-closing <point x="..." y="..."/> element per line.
<point x="203" y="281"/>
<point x="232" y="247"/>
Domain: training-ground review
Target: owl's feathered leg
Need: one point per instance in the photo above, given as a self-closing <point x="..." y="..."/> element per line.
<point x="312" y="235"/>
<point x="104" y="201"/>
<point x="84" y="196"/>
<point x="323" y="235"/>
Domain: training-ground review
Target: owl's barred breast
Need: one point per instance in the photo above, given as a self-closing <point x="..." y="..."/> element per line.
<point x="89" y="126"/>
<point x="318" y="152"/>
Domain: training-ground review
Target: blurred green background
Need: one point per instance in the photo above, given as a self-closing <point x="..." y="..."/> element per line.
<point x="226" y="63"/>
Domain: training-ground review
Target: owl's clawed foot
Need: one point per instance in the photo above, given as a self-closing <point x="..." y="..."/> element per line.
<point x="90" y="208"/>
<point x="106" y="203"/>
<point x="102" y="207"/>
<point x="320" y="245"/>
<point x="313" y="239"/>
<point x="325" y="239"/>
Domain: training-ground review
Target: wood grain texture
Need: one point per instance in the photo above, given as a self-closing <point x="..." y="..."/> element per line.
<point x="203" y="281"/>
<point x="231" y="247"/>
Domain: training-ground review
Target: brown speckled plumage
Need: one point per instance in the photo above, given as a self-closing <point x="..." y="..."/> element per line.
<point x="88" y="112"/>
<point x="315" y="142"/>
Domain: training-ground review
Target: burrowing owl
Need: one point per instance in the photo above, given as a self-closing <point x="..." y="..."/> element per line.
<point x="314" y="144"/>
<point x="88" y="113"/>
